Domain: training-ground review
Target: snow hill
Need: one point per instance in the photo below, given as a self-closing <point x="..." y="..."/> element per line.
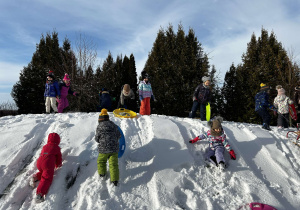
<point x="159" y="169"/>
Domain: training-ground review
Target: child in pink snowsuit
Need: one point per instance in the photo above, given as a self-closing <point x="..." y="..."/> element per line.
<point x="217" y="143"/>
<point x="64" y="91"/>
<point x="50" y="158"/>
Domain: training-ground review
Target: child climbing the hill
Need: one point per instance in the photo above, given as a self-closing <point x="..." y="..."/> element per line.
<point x="281" y="102"/>
<point x="108" y="135"/>
<point x="50" y="158"/>
<point x="51" y="93"/>
<point x="217" y="143"/>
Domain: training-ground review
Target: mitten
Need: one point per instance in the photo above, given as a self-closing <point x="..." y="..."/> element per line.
<point x="232" y="154"/>
<point x="58" y="97"/>
<point x="194" y="140"/>
<point x="141" y="98"/>
<point x="76" y="94"/>
<point x="195" y="99"/>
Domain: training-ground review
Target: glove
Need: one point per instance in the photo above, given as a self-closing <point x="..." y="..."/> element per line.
<point x="58" y="97"/>
<point x="152" y="97"/>
<point x="232" y="154"/>
<point x="141" y="98"/>
<point x="76" y="94"/>
<point x="195" y="99"/>
<point x="194" y="140"/>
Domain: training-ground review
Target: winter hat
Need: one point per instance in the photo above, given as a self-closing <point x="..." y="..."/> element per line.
<point x="278" y="87"/>
<point x="103" y="115"/>
<point x="145" y="75"/>
<point x="215" y="123"/>
<point x="281" y="92"/>
<point x="66" y="77"/>
<point x="126" y="89"/>
<point x="50" y="74"/>
<point x="205" y="78"/>
<point x="264" y="86"/>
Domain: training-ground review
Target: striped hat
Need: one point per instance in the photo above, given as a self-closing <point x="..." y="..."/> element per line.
<point x="103" y="115"/>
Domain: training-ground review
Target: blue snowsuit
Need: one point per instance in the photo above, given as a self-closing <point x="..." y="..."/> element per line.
<point x="52" y="89"/>
<point x="261" y="106"/>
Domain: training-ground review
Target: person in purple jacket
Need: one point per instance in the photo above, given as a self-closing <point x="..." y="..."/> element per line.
<point x="51" y="92"/>
<point x="65" y="90"/>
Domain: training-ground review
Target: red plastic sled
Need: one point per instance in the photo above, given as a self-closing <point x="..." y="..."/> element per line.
<point x="293" y="111"/>
<point x="258" y="206"/>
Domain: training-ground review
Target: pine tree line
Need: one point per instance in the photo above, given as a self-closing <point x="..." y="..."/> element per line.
<point x="28" y="92"/>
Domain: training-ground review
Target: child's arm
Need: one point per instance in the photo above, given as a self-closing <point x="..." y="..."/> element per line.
<point x="202" y="136"/>
<point x="227" y="146"/>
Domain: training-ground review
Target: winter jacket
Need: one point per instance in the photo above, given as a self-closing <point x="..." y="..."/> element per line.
<point x="51" y="154"/>
<point x="145" y="90"/>
<point x="202" y="94"/>
<point x="297" y="96"/>
<point x="262" y="101"/>
<point x="107" y="135"/>
<point x="282" y="102"/>
<point x="125" y="98"/>
<point x="216" y="141"/>
<point x="52" y="89"/>
<point x="65" y="90"/>
<point x="105" y="100"/>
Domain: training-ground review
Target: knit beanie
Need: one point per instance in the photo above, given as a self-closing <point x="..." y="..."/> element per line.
<point x="50" y="74"/>
<point x="66" y="77"/>
<point x="264" y="86"/>
<point x="281" y="92"/>
<point x="205" y="78"/>
<point x="215" y="123"/>
<point x="103" y="115"/>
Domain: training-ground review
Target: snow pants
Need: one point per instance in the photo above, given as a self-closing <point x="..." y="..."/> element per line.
<point x="113" y="165"/>
<point x="282" y="120"/>
<point x="195" y="106"/>
<point x="218" y="152"/>
<point x="62" y="104"/>
<point x="45" y="175"/>
<point x="264" y="114"/>
<point x="145" y="108"/>
<point x="50" y="101"/>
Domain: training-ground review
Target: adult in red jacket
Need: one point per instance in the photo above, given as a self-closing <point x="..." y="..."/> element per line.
<point x="50" y="158"/>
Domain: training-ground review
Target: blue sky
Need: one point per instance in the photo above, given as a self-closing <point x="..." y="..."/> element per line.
<point x="223" y="27"/>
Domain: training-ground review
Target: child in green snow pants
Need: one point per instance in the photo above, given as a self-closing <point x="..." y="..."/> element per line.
<point x="113" y="165"/>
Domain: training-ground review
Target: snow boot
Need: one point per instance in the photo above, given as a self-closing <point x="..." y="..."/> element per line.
<point x="221" y="166"/>
<point x="102" y="176"/>
<point x="266" y="126"/>
<point x="33" y="181"/>
<point x="39" y="198"/>
<point x="115" y="183"/>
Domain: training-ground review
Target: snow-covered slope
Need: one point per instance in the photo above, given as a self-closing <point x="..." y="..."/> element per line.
<point x="159" y="169"/>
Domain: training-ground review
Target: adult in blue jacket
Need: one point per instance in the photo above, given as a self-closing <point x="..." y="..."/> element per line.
<point x="262" y="105"/>
<point x="51" y="93"/>
<point x="105" y="100"/>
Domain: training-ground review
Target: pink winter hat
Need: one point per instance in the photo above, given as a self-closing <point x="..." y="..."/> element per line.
<point x="281" y="91"/>
<point x="66" y="77"/>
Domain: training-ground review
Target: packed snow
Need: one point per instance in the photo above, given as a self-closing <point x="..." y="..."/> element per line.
<point x="159" y="169"/>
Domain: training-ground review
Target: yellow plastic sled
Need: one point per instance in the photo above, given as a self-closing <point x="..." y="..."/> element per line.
<point x="124" y="113"/>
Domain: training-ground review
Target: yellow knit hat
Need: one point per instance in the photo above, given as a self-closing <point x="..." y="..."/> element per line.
<point x="262" y="84"/>
<point x="103" y="115"/>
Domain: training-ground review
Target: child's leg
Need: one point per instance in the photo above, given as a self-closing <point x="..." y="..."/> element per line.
<point x="219" y="152"/>
<point x="202" y="112"/>
<point x="53" y="103"/>
<point x="194" y="109"/>
<point x="114" y="167"/>
<point x="285" y="120"/>
<point x="47" y="104"/>
<point x="148" y="108"/>
<point x="45" y="183"/>
<point x="101" y="163"/>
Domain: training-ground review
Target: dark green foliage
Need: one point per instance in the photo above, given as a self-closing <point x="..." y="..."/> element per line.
<point x="28" y="92"/>
<point x="265" y="61"/>
<point x="176" y="65"/>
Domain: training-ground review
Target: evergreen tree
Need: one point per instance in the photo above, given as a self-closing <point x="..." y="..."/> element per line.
<point x="28" y="92"/>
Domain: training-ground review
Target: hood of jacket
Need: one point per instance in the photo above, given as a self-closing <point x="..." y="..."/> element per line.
<point x="53" y="138"/>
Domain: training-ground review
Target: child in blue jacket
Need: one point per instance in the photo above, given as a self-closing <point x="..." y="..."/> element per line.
<point x="51" y="93"/>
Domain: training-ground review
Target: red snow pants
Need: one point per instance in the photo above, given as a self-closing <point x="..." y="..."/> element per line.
<point x="45" y="175"/>
<point x="145" y="107"/>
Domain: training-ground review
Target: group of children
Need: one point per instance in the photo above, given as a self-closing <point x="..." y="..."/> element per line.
<point x="280" y="106"/>
<point x="57" y="92"/>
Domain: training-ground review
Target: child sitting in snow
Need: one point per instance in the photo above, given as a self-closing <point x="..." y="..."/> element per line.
<point x="108" y="135"/>
<point x="50" y="158"/>
<point x="217" y="143"/>
<point x="281" y="102"/>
